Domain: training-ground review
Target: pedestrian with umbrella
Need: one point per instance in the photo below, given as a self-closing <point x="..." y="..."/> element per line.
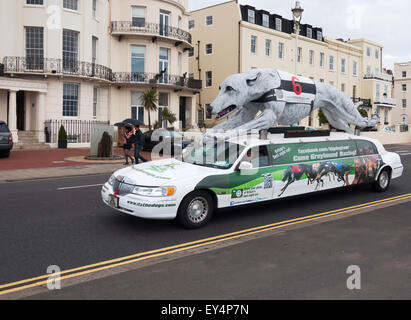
<point x="128" y="141"/>
<point x="138" y="139"/>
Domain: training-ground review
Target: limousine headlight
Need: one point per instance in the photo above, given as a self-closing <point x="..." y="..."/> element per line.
<point x="111" y="180"/>
<point x="154" y="191"/>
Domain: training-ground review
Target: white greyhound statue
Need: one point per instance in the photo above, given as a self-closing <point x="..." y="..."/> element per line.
<point x="265" y="98"/>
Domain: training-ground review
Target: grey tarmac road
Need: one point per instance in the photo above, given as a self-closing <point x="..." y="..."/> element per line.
<point x="41" y="225"/>
<point x="308" y="263"/>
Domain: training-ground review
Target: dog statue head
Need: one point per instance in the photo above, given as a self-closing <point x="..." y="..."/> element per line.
<point x="239" y="89"/>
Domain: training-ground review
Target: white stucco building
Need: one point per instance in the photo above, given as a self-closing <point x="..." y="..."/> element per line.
<point x="82" y="61"/>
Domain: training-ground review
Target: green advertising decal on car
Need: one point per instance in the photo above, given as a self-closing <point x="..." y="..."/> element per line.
<point x="298" y="162"/>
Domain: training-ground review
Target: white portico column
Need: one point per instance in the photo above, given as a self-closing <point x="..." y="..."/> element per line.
<point x="41" y="111"/>
<point x="193" y="106"/>
<point x="13" y="115"/>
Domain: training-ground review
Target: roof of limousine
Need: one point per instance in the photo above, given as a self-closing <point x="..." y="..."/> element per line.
<point x="254" y="140"/>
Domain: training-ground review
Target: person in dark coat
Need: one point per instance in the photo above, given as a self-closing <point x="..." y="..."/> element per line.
<point x="128" y="144"/>
<point x="138" y="145"/>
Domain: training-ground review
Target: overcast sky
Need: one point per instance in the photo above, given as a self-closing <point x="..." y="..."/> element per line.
<point x="382" y="21"/>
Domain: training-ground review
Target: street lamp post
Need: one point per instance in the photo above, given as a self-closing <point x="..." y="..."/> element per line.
<point x="297" y="16"/>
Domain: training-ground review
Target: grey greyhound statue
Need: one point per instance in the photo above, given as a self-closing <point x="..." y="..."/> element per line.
<point x="263" y="98"/>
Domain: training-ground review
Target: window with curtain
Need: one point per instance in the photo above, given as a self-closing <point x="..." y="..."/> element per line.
<point x="138" y="54"/>
<point x="138" y="16"/>
<point x="70" y="51"/>
<point x="34" y="48"/>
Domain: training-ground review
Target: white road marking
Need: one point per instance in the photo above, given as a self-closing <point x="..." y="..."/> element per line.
<point x="80" y="187"/>
<point x="405" y="154"/>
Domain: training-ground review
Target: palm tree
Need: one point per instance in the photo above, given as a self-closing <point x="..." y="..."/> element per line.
<point x="169" y="116"/>
<point x="149" y="100"/>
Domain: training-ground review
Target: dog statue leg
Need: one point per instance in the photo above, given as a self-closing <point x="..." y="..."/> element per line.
<point x="267" y="119"/>
<point x="240" y="118"/>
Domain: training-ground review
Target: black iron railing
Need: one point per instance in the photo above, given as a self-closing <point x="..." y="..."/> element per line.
<point x="153" y="29"/>
<point x="155" y="79"/>
<point x="366" y="102"/>
<point x="56" y="67"/>
<point x="78" y="131"/>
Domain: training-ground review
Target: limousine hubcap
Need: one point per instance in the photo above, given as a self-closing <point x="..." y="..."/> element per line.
<point x="384" y="179"/>
<point x="198" y="210"/>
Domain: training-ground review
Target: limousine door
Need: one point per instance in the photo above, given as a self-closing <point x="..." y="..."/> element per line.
<point x="257" y="183"/>
<point x="300" y="168"/>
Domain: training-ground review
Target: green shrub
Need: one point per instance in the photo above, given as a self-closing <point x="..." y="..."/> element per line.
<point x="62" y="134"/>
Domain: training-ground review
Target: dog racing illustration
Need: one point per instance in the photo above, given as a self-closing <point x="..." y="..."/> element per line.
<point x="362" y="169"/>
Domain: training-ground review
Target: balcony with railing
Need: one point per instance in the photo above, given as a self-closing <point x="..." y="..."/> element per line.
<point x="384" y="101"/>
<point x="47" y="66"/>
<point x="153" y="30"/>
<point x="366" y="103"/>
<point x="154" y="79"/>
<point x="378" y="76"/>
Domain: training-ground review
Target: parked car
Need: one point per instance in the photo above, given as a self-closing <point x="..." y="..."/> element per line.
<point x="6" y="140"/>
<point x="248" y="170"/>
<point x="369" y="129"/>
<point x="175" y="138"/>
<point x="388" y="129"/>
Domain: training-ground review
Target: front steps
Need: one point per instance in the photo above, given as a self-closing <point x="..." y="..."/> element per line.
<point x="28" y="141"/>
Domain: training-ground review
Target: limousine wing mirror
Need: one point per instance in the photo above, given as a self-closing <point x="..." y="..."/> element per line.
<point x="245" y="165"/>
<point x="247" y="169"/>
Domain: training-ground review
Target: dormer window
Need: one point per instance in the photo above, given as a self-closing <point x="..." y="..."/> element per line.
<point x="278" y="24"/>
<point x="266" y="21"/>
<point x="251" y="16"/>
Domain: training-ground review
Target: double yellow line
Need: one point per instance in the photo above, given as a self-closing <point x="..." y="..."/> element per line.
<point x="110" y="264"/>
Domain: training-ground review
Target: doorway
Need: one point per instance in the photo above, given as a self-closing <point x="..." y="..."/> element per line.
<point x="164" y="23"/>
<point x="183" y="112"/>
<point x="21" y="112"/>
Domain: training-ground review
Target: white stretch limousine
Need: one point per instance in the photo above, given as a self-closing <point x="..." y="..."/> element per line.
<point x="246" y="170"/>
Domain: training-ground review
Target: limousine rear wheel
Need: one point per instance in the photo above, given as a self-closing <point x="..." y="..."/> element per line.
<point x="383" y="181"/>
<point x="195" y="210"/>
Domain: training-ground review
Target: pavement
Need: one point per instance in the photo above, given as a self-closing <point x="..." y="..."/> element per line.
<point x="106" y="254"/>
<point x="43" y="164"/>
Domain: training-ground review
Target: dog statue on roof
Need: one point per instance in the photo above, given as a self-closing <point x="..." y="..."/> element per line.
<point x="260" y="99"/>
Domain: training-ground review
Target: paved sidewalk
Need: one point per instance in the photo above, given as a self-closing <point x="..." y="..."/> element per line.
<point x="51" y="158"/>
<point x="53" y="163"/>
<point x="57" y="172"/>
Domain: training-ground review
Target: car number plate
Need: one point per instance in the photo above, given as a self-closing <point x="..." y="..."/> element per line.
<point x="113" y="201"/>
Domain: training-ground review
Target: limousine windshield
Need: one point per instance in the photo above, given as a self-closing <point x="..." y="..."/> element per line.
<point x="218" y="155"/>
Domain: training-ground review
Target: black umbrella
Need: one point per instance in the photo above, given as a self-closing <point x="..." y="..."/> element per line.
<point x="134" y="122"/>
<point x="123" y="124"/>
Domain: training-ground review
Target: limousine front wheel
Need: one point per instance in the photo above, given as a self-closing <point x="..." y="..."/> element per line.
<point x="195" y="210"/>
<point x="383" y="181"/>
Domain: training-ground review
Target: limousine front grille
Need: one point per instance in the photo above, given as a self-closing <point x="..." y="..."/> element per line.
<point x="123" y="188"/>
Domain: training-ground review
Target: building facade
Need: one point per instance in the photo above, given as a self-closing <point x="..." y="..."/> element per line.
<point x="79" y="62"/>
<point x="402" y="93"/>
<point x="149" y="45"/>
<point x="231" y="38"/>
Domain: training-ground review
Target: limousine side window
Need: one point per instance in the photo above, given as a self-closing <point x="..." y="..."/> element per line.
<point x="258" y="157"/>
<point x="366" y="148"/>
<point x="292" y="153"/>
